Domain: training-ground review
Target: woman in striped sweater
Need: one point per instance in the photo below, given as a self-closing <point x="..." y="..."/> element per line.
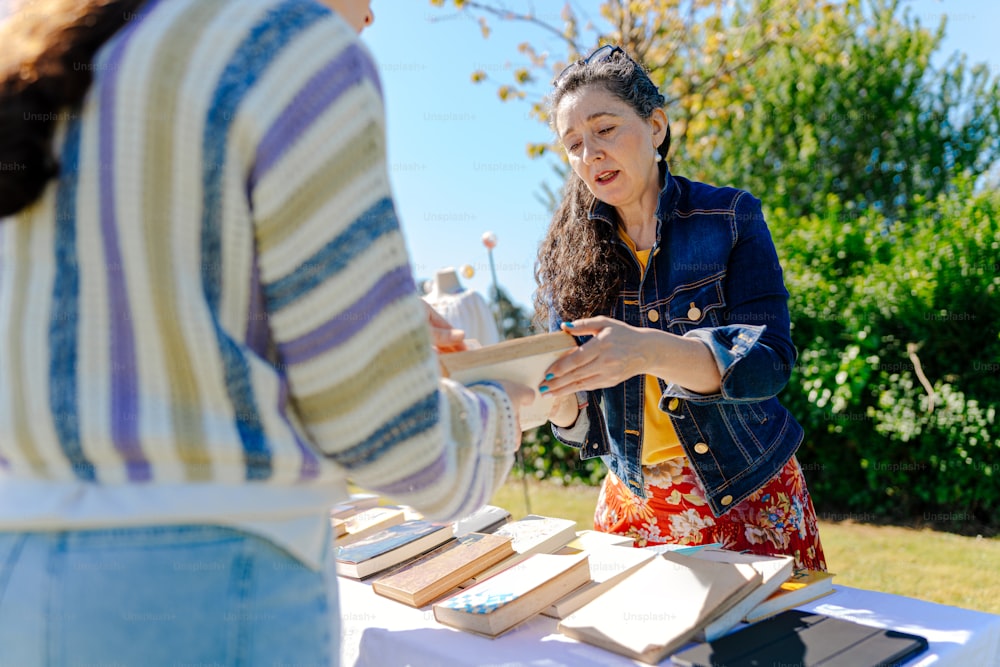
<point x="208" y="324"/>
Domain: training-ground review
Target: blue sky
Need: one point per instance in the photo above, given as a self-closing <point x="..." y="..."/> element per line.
<point x="457" y="154"/>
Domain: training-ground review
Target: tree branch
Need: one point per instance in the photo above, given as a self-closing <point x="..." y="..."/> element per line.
<point x="508" y="15"/>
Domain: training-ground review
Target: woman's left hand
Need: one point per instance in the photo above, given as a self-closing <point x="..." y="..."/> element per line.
<point x="444" y="337"/>
<point x="616" y="352"/>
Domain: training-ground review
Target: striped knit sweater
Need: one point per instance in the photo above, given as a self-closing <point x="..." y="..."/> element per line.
<point x="216" y="292"/>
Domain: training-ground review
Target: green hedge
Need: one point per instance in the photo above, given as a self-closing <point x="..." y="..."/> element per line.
<point x="870" y="299"/>
<point x="898" y="379"/>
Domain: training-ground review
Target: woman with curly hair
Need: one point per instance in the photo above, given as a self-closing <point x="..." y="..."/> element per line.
<point x="676" y="289"/>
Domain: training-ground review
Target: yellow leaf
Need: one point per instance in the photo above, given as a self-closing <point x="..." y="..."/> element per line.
<point x="536" y="150"/>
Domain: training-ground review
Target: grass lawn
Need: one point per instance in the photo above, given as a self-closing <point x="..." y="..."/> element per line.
<point x="935" y="566"/>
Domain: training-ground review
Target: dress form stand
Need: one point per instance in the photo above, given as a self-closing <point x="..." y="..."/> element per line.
<point x="465" y="309"/>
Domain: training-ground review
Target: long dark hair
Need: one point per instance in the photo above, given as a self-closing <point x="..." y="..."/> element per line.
<point x="579" y="270"/>
<point x="46" y="69"/>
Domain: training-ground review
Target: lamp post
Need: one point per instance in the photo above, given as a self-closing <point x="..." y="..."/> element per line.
<point x="490" y="241"/>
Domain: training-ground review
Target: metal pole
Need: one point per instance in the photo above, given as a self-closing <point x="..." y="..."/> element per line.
<point x="490" y="241"/>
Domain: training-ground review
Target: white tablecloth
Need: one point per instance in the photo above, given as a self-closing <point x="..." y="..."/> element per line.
<point x="379" y="632"/>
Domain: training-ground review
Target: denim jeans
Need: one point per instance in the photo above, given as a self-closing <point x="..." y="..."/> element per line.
<point x="163" y="595"/>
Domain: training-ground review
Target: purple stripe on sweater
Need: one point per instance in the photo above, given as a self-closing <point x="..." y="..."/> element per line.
<point x="348" y="69"/>
<point x="423" y="478"/>
<point x="389" y="289"/>
<point x="124" y="385"/>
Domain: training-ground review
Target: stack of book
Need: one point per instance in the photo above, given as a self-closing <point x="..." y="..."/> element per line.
<point x="533" y="534"/>
<point x="801" y="586"/>
<point x="608" y="566"/>
<point x="486" y="519"/>
<point x="486" y="574"/>
<point x="500" y="603"/>
<point x="442" y="570"/>
<point x="368" y="522"/>
<point x="390" y="547"/>
<point x="660" y="606"/>
<point x="341" y="512"/>
<point x="774" y="571"/>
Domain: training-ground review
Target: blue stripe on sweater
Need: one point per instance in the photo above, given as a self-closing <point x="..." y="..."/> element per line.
<point x="65" y="318"/>
<point x="373" y="224"/>
<point x="414" y="420"/>
<point x="251" y="59"/>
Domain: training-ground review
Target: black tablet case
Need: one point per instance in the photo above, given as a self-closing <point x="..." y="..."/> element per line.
<point x="806" y="640"/>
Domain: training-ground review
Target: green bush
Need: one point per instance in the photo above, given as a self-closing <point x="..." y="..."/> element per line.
<point x="898" y="379"/>
<point x="543" y="457"/>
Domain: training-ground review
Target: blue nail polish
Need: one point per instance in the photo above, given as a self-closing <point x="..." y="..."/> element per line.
<point x="568" y="325"/>
<point x="550" y="376"/>
<point x="543" y="389"/>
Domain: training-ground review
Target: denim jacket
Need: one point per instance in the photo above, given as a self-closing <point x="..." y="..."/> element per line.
<point x="713" y="275"/>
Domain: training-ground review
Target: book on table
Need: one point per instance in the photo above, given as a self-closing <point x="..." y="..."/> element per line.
<point x="356" y="503"/>
<point x="520" y="360"/>
<point x="587" y="540"/>
<point x="532" y="534"/>
<point x="774" y="571"/>
<point x="390" y="547"/>
<point x="439" y="572"/>
<point x="608" y="566"/>
<point x="660" y="606"/>
<point x="805" y="639"/>
<point x="484" y="520"/>
<point x="535" y="533"/>
<point x="498" y="604"/>
<point x="369" y="522"/>
<point x="801" y="587"/>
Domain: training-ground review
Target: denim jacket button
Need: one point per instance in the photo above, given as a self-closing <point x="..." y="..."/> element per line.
<point x="726" y="500"/>
<point x="653" y="316"/>
<point x="694" y="313"/>
<point x="673" y="404"/>
<point x="701" y="448"/>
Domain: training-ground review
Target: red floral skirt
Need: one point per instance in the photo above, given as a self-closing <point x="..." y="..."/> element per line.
<point x="777" y="519"/>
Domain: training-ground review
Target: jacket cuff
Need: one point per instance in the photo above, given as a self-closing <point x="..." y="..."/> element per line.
<point x="728" y="345"/>
<point x="575" y="434"/>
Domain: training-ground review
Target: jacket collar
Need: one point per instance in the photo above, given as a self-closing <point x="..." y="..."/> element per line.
<point x="668" y="200"/>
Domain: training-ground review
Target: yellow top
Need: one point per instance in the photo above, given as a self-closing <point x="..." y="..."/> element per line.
<point x="659" y="440"/>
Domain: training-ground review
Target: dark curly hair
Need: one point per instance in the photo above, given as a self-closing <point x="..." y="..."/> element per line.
<point x="579" y="270"/>
<point x="45" y="68"/>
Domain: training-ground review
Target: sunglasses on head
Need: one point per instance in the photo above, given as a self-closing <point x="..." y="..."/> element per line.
<point x="600" y="55"/>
